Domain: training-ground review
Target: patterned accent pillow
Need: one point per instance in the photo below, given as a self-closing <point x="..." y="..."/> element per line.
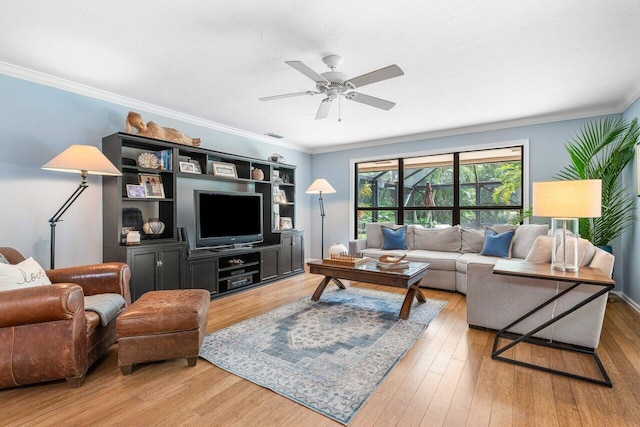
<point x="3" y="260"/>
<point x="26" y="274"/>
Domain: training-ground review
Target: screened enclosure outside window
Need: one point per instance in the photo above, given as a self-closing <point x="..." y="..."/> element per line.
<point x="474" y="189"/>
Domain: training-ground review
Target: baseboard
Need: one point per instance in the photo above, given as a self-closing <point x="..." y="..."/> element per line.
<point x="628" y="300"/>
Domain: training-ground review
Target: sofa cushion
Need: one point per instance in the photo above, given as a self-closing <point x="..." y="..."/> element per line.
<point x="25" y="274"/>
<point x="465" y="260"/>
<point x="524" y="237"/>
<point x="439" y="260"/>
<point x="374" y="233"/>
<point x="497" y="244"/>
<point x="432" y="239"/>
<point x="394" y="238"/>
<point x="540" y="251"/>
<point x="472" y="240"/>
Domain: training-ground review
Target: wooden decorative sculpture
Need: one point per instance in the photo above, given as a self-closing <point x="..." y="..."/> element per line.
<point x="154" y="130"/>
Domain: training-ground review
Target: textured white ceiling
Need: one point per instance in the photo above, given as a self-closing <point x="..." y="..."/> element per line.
<point x="466" y="63"/>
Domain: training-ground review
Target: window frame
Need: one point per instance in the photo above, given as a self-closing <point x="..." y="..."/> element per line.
<point x="400" y="209"/>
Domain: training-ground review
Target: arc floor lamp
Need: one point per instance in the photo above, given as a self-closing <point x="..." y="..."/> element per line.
<point x="85" y="160"/>
<point x="321" y="186"/>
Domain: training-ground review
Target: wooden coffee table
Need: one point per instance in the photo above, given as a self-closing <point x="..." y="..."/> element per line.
<point x="407" y="278"/>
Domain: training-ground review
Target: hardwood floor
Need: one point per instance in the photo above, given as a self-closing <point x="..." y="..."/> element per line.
<point x="446" y="378"/>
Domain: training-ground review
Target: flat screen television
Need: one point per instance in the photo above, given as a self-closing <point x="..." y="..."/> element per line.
<point x="226" y="218"/>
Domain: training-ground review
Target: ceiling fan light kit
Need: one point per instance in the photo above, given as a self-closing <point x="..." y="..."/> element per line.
<point x="334" y="84"/>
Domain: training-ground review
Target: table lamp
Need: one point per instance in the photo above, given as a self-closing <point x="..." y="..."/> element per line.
<point x="320" y="186"/>
<point x="82" y="159"/>
<point x="564" y="202"/>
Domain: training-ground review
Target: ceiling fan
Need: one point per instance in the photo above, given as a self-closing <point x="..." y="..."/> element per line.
<point x="334" y="84"/>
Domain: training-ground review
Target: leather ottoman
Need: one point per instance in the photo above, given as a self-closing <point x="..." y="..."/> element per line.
<point x="162" y="325"/>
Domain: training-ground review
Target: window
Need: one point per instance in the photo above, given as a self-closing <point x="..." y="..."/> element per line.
<point x="473" y="188"/>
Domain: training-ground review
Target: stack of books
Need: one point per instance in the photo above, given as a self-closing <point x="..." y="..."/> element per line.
<point x="393" y="265"/>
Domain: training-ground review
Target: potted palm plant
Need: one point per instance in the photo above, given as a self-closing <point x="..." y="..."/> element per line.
<point x="601" y="151"/>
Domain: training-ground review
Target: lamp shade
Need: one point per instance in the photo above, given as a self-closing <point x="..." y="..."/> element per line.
<point x="320" y="186"/>
<point x="568" y="199"/>
<point x="82" y="159"/>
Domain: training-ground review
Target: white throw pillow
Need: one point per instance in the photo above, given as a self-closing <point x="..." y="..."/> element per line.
<point x="26" y="274"/>
<point x="586" y="251"/>
<point x="525" y="235"/>
<point x="540" y="250"/>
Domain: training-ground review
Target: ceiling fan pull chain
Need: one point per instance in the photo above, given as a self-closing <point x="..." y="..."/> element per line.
<point x="339" y="110"/>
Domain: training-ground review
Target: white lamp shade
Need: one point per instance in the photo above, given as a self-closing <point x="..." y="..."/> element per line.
<point x="82" y="158"/>
<point x="320" y="186"/>
<point x="568" y="199"/>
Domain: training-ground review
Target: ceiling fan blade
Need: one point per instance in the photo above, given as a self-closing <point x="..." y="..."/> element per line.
<point x="323" y="110"/>
<point x="306" y="71"/>
<point x="370" y="100"/>
<point x="375" y="76"/>
<point x="288" y="95"/>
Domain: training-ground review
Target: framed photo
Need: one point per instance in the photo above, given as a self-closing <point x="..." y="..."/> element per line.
<point x="187" y="167"/>
<point x="196" y="165"/>
<point x="153" y="185"/>
<point x="285" y="223"/>
<point x="136" y="191"/>
<point x="279" y="196"/>
<point x="224" y="169"/>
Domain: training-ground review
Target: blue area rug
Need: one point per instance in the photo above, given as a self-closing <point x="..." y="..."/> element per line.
<point x="330" y="355"/>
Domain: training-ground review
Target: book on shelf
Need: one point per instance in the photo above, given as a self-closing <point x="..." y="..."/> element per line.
<point x="164" y="159"/>
<point x="393" y="265"/>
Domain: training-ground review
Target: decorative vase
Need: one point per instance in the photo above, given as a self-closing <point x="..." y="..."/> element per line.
<point x="154" y="227"/>
<point x="258" y="174"/>
<point x="338" y="249"/>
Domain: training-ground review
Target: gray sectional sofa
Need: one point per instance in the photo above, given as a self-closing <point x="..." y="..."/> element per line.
<point x="493" y="301"/>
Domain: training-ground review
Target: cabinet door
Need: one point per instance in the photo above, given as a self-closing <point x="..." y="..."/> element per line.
<point x="287" y="240"/>
<point x="269" y="263"/>
<point x="171" y="267"/>
<point x="297" y="252"/>
<point x="202" y="275"/>
<point x="144" y="271"/>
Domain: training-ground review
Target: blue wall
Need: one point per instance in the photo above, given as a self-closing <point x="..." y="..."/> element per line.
<point x="631" y="240"/>
<point x="38" y="122"/>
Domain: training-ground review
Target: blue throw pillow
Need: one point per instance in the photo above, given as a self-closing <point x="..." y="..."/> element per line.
<point x="394" y="239"/>
<point x="497" y="244"/>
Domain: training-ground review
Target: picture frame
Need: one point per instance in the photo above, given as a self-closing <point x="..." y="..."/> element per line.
<point x="136" y="191"/>
<point x="279" y="196"/>
<point x="196" y="166"/>
<point x="153" y="185"/>
<point x="187" y="167"/>
<point x="285" y="223"/>
<point x="224" y="169"/>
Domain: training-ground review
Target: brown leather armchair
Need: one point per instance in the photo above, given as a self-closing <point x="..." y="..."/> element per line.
<point x="45" y="333"/>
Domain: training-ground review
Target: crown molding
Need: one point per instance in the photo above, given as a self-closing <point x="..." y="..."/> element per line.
<point x="549" y="118"/>
<point x="103" y="95"/>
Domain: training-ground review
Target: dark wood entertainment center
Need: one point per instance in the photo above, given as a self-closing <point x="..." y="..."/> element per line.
<point x="168" y="261"/>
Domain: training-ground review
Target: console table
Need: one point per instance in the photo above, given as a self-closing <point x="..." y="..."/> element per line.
<point x="586" y="275"/>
